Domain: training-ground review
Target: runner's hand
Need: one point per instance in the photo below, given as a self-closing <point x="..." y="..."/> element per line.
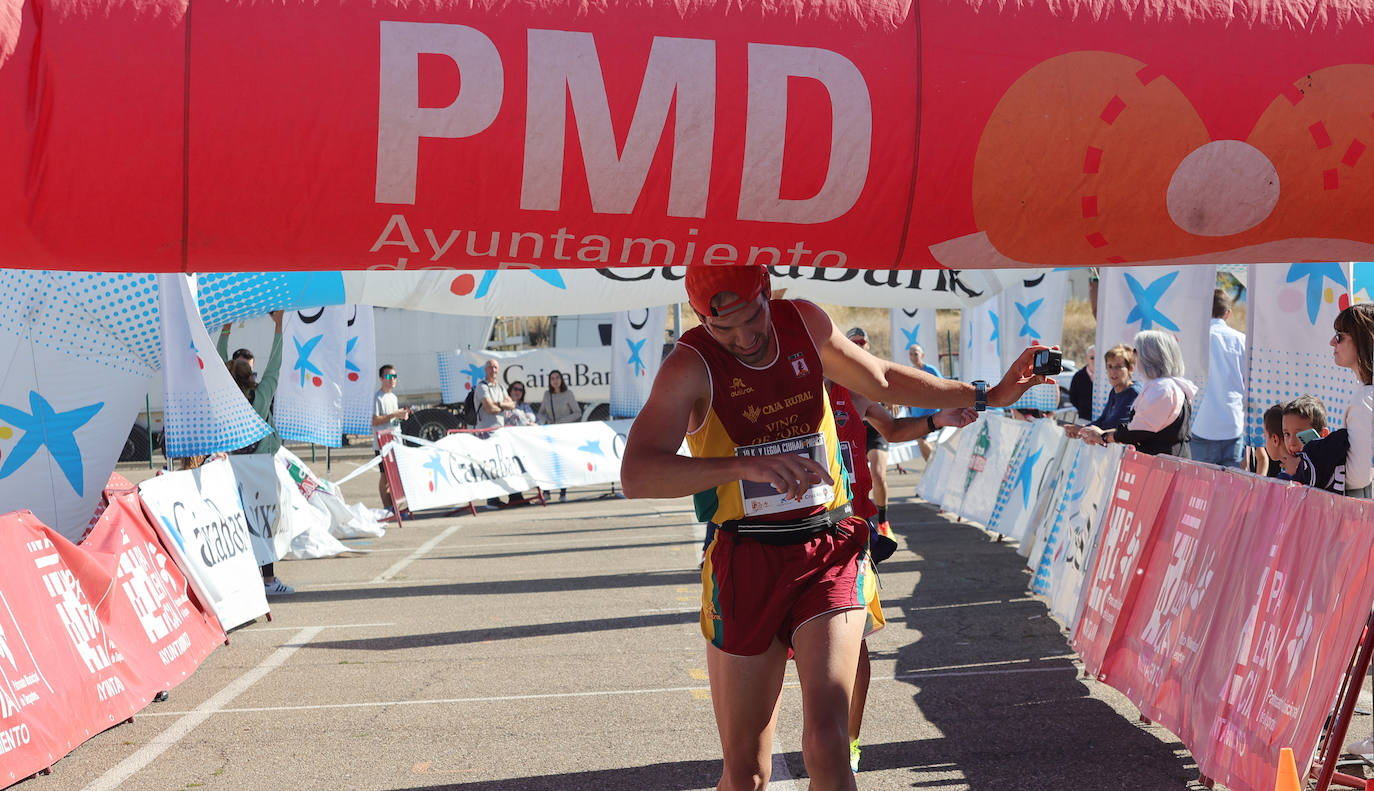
<point x="1019" y="378"/>
<point x="789" y="473"/>
<point x="955" y="418"/>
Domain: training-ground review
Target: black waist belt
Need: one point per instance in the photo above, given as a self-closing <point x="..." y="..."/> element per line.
<point x="793" y="531"/>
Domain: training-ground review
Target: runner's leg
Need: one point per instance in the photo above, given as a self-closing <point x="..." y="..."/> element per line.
<point x="827" y="654"/>
<point x="856" y="703"/>
<point x="877" y="466"/>
<point x="745" y="692"/>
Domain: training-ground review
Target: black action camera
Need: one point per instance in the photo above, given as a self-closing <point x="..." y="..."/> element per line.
<point x="1049" y="362"/>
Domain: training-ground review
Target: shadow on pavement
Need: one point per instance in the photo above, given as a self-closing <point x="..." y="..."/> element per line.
<point x="506" y="587"/>
<point x="432" y="639"/>
<point x="667" y="542"/>
<point x="1010" y="714"/>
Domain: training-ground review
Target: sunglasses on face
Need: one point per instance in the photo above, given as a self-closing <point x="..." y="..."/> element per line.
<point x="388" y="376"/>
<point x="1341" y="336"/>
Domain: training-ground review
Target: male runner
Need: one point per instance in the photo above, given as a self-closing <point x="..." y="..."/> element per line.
<point x="851" y="411"/>
<point x="788" y="565"/>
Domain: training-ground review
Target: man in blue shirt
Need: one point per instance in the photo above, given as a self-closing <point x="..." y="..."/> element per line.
<point x="917" y="356"/>
<point x="1220" y="420"/>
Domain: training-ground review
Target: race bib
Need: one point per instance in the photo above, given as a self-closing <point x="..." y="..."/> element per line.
<point x="761" y="498"/>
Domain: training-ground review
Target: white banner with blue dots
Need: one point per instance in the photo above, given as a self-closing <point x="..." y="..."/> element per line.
<point x="1289" y="329"/>
<point x="204" y="410"/>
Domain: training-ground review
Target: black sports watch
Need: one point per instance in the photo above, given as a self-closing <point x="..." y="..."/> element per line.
<point x="980" y="395"/>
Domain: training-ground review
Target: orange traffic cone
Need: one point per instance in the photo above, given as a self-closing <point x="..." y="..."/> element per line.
<point x="1287" y="779"/>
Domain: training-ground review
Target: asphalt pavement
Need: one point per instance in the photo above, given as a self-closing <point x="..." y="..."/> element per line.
<point x="557" y="647"/>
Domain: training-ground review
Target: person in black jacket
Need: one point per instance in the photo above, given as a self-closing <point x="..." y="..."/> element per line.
<point x="1081" y="387"/>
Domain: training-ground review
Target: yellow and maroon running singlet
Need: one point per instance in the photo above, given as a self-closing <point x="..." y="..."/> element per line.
<point x="780" y="408"/>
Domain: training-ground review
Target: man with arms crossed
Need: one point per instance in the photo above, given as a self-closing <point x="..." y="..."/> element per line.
<point x="788" y="565"/>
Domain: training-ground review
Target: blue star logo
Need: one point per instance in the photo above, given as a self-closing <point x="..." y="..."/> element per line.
<point x="592" y="446"/>
<point x="349" y="365"/>
<point x="440" y="472"/>
<point x="1023" y="477"/>
<point x="551" y="276"/>
<point x="303" y="352"/>
<point x="1146" y="310"/>
<point x="635" y="349"/>
<point x="43" y="425"/>
<point x="475" y="374"/>
<point x="1027" y="311"/>
<point x="911" y="335"/>
<point x="996" y="322"/>
<point x="1316" y="275"/>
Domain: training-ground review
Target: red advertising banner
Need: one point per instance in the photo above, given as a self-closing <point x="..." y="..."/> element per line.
<point x="86" y="638"/>
<point x="150" y="593"/>
<point x="1248" y="601"/>
<point x="1142" y="483"/>
<point x="874" y="134"/>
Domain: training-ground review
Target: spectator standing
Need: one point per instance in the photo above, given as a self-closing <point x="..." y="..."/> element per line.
<point x="559" y="404"/>
<point x="917" y="355"/>
<point x="492" y="399"/>
<point x="1116" y="414"/>
<point x="1269" y="461"/>
<point x="495" y="408"/>
<point x="1081" y="388"/>
<point x="260" y="392"/>
<point x="387" y="414"/>
<point x="1160" y="420"/>
<point x="1220" y="422"/>
<point x="1353" y="347"/>
<point x="521" y="414"/>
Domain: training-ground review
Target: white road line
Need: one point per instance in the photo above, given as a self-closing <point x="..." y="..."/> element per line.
<point x="317" y="626"/>
<point x="967" y="604"/>
<point x="416" y="555"/>
<point x="321" y="586"/>
<point x="189" y="720"/>
<point x="587" y="694"/>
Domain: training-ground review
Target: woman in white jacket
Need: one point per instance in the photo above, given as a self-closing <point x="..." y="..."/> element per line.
<point x="1162" y="415"/>
<point x="1353" y="348"/>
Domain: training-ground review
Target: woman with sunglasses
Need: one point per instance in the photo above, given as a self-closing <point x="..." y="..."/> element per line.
<point x="1353" y="347"/>
<point x="522" y="414"/>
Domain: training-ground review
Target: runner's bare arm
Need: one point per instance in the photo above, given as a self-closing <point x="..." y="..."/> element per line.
<point x="902" y="429"/>
<point x="883" y="380"/>
<point x="651" y="466"/>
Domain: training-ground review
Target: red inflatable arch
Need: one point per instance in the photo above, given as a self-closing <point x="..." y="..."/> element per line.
<point x="160" y="135"/>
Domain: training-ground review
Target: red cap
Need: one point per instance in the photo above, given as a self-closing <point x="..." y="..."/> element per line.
<point x="705" y="282"/>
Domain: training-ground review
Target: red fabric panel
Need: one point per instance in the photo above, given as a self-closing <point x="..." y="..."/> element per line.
<point x="1247" y="601"/>
<point x="87" y="634"/>
<point x="275" y="133"/>
<point x="1141" y="486"/>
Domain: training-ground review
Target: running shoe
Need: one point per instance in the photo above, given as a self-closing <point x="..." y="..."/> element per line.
<point x="854" y="756"/>
<point x="277" y="588"/>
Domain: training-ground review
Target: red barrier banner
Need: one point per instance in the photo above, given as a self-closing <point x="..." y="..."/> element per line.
<point x="1142" y="484"/>
<point x="872" y="134"/>
<point x="86" y="638"/>
<point x="1248" y="599"/>
<point x="164" y="633"/>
